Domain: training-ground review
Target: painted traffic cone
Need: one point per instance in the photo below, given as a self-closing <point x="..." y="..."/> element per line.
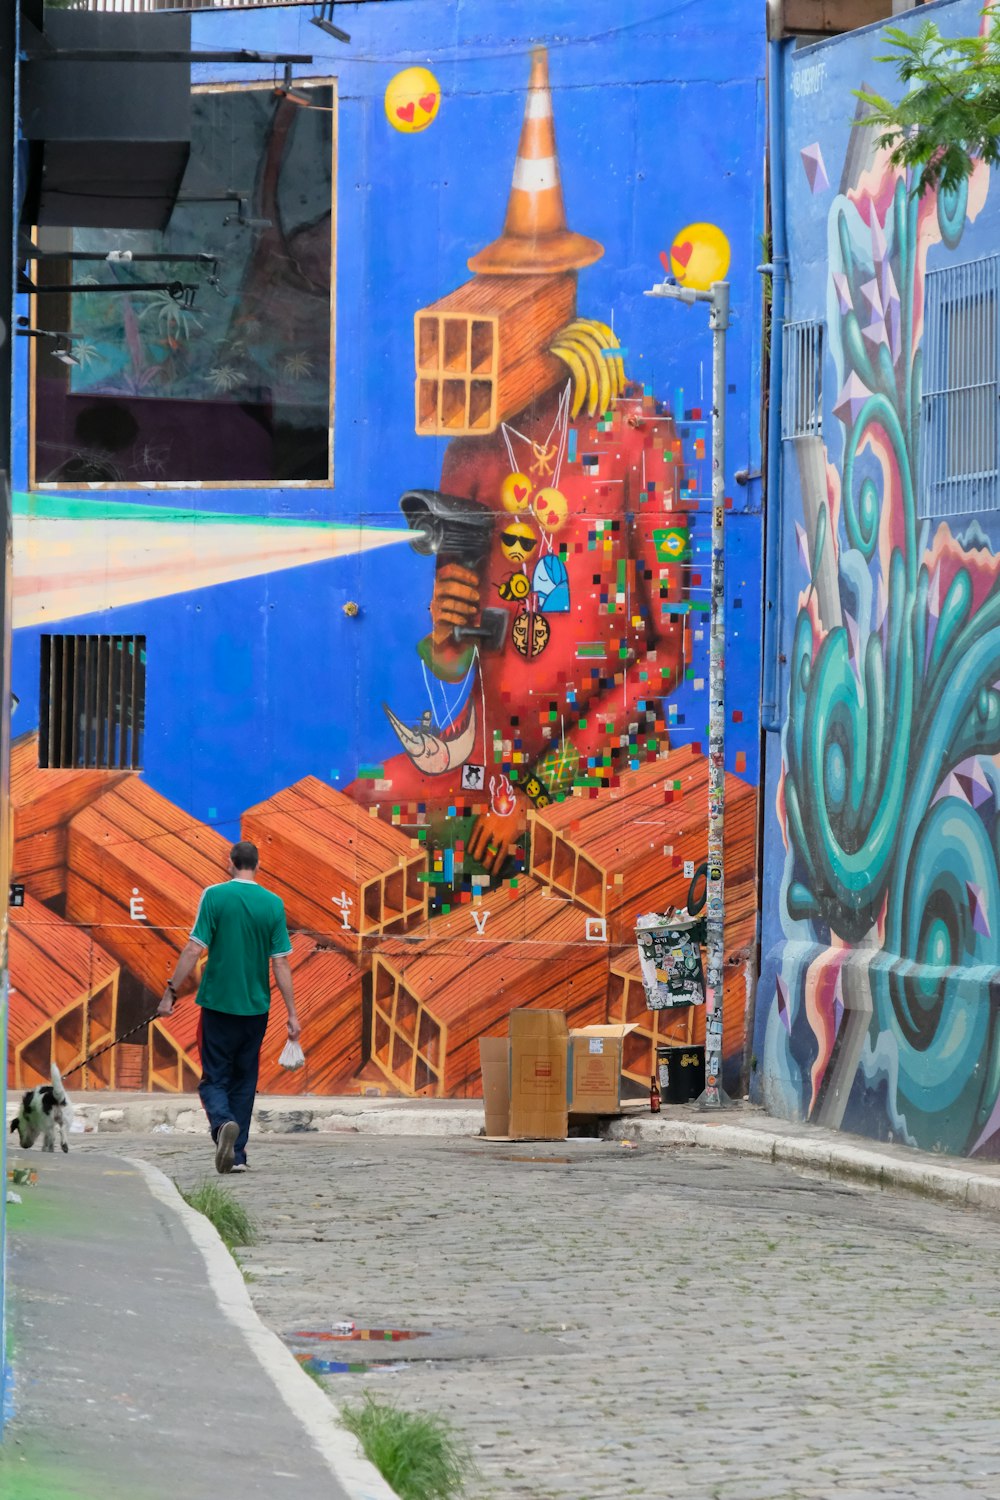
<point x="535" y="240"/>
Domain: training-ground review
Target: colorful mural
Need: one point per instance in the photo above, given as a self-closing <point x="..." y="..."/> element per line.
<point x="881" y="1009"/>
<point x="459" y="699"/>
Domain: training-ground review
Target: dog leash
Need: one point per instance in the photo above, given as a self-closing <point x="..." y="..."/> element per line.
<point x="108" y="1045"/>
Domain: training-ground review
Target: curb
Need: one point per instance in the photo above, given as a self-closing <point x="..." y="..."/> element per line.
<point x="823" y="1151"/>
<point x="313" y="1408"/>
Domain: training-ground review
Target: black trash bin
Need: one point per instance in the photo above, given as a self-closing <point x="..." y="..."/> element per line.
<point x="681" y="1072"/>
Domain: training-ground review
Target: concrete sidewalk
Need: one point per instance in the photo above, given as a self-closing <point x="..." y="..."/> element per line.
<point x="742" y="1131"/>
<point x="141" y="1371"/>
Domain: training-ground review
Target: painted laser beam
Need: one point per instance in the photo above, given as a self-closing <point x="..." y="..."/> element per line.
<point x="82" y="557"/>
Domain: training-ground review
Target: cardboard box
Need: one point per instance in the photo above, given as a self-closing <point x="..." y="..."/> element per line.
<point x="595" y="1068"/>
<point x="525" y="1078"/>
<point x="538" y="1064"/>
<point x="494" y="1061"/>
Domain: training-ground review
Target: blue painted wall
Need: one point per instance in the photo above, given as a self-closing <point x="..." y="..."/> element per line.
<point x="877" y="1003"/>
<point x="660" y="124"/>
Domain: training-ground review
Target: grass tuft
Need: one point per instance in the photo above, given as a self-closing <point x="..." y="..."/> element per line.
<point x="234" y="1224"/>
<point x="419" y="1455"/>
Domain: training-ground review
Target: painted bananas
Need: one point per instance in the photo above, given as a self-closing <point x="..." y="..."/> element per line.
<point x="585" y="348"/>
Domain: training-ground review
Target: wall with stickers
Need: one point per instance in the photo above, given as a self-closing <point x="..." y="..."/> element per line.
<point x="442" y="654"/>
<point x="877" y="1007"/>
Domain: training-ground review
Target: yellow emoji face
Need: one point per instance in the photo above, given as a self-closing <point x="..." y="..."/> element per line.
<point x="517" y="541"/>
<point x="551" y="509"/>
<point x="412" y="100"/>
<point x="699" y="255"/>
<point x="515" y="493"/>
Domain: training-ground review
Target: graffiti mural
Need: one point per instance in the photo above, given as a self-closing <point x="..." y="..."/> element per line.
<point x="459" y="698"/>
<point x="884" y="1012"/>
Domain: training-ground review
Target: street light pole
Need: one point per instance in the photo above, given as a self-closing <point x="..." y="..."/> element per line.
<point x="717" y="297"/>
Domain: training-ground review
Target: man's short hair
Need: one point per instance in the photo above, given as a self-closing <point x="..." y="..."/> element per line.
<point x="244" y="855"/>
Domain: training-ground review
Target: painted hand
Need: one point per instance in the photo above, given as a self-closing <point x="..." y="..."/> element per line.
<point x="455" y="601"/>
<point x="166" y="1005"/>
<point x="495" y="835"/>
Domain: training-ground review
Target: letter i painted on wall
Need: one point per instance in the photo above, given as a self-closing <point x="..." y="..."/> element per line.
<point x="135" y="906"/>
<point x="345" y="903"/>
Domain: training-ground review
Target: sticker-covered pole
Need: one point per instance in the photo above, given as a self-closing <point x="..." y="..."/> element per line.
<point x="716" y="904"/>
<point x="717" y="298"/>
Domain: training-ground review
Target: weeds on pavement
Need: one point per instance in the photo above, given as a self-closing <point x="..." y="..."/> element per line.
<point x="419" y="1455"/>
<point x="234" y="1224"/>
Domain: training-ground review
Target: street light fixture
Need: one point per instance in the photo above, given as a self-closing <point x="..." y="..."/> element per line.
<point x="324" y="20"/>
<point x="717" y="297"/>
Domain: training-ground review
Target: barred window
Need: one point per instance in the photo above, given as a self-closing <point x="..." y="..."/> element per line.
<point x="802" y="380"/>
<point x="92" y="701"/>
<point x="960" y="469"/>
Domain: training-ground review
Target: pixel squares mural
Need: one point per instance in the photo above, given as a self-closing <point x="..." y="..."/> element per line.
<point x="882" y="947"/>
<point x="451" y="676"/>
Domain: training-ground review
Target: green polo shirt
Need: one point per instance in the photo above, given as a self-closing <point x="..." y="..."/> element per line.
<point x="243" y="927"/>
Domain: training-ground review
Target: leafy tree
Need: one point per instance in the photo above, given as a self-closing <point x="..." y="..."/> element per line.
<point x="949" y="116"/>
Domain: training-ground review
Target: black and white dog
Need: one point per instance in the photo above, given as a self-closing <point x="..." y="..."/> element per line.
<point x="45" y="1111"/>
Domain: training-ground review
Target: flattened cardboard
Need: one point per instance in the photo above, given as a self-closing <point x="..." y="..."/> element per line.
<point x="595" y="1069"/>
<point x="538" y="1070"/>
<point x="494" y="1060"/>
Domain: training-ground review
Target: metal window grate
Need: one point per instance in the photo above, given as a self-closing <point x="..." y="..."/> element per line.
<point x="802" y="380"/>
<point x="92" y="701"/>
<point x="960" y="468"/>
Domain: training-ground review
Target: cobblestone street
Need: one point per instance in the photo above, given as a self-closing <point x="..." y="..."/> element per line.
<point x="610" y="1323"/>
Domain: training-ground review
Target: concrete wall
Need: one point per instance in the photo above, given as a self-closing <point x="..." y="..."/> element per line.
<point x="489" y="780"/>
<point x="877" y="1007"/>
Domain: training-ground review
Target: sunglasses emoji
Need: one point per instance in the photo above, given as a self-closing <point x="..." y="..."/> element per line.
<point x="518" y="541"/>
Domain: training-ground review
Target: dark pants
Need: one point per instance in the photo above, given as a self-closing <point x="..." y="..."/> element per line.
<point x="230" y="1055"/>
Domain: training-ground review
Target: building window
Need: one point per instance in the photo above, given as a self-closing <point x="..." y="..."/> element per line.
<point x="235" y="387"/>
<point x="92" y="701"/>
<point x="802" y="380"/>
<point x="959" y="430"/>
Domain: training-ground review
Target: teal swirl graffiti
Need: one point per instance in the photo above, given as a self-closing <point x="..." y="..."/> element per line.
<point x="882" y="835"/>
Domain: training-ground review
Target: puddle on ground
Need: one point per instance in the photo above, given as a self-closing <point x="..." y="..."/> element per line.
<point x="346" y="1367"/>
<point x="346" y="1336"/>
<point x="322" y="1363"/>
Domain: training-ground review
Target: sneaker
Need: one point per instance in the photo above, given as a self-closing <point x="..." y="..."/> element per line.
<point x="225" y="1145"/>
<point x="239" y="1166"/>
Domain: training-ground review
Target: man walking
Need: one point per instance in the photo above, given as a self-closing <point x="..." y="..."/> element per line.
<point x="243" y="927"/>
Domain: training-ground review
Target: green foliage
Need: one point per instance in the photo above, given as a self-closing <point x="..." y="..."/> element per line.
<point x="949" y="115"/>
<point x="419" y="1455"/>
<point x="234" y="1224"/>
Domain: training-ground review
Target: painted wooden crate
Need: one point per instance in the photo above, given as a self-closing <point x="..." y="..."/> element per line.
<point x="42" y="803"/>
<point x="172" y="1064"/>
<point x="63" y="999"/>
<point x="429" y="1009"/>
<point x="617" y="856"/>
<point x="328" y="998"/>
<point x="134" y="844"/>
<point x="327" y="858"/>
<point x="481" y="351"/>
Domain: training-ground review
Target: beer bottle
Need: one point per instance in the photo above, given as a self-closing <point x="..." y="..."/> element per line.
<point x="654" y="1096"/>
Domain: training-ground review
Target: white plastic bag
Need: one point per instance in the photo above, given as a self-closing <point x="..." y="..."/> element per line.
<point x="292" y="1056"/>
